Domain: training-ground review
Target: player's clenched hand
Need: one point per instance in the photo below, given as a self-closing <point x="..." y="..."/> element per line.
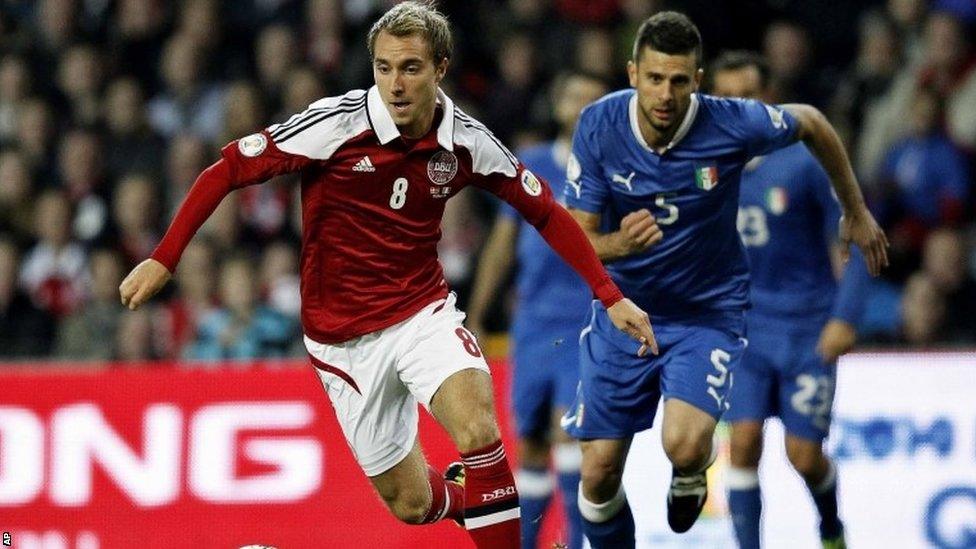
<point x="143" y="282"/>
<point x="633" y="321"/>
<point x="639" y="231"/>
<point x="836" y="338"/>
<point x="861" y="229"/>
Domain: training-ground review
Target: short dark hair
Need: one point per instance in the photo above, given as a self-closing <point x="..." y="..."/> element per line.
<point x="733" y="60"/>
<point x="669" y="32"/>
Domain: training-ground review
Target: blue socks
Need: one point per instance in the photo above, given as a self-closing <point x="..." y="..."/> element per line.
<point x="608" y="525"/>
<point x="566" y="459"/>
<point x="535" y="490"/>
<point x="825" y="498"/>
<point x="745" y="505"/>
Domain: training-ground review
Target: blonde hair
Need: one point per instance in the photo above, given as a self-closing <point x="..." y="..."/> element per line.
<point x="416" y="17"/>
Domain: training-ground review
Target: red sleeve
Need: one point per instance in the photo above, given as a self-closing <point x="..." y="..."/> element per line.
<point x="533" y="199"/>
<point x="246" y="161"/>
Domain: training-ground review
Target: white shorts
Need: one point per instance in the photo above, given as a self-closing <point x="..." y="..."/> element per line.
<point x="375" y="381"/>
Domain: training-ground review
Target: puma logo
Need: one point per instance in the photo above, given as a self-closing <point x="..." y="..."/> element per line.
<point x="625" y="181"/>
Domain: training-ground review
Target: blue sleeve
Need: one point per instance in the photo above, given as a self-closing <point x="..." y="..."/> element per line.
<point x="586" y="188"/>
<point x="853" y="290"/>
<point x="764" y="128"/>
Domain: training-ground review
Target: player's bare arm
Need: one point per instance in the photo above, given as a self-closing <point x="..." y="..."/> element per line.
<point x="495" y="263"/>
<point x="638" y="232"/>
<point x="857" y="224"/>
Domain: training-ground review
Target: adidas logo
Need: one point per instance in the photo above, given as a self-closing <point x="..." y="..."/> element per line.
<point x="364" y="165"/>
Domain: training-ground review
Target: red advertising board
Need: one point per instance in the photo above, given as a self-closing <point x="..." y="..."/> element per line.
<point x="169" y="456"/>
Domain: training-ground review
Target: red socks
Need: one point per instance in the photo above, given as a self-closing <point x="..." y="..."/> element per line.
<point x="447" y="498"/>
<point x="491" y="505"/>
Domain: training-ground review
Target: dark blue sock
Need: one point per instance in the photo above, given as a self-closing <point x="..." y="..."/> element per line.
<point x="616" y="533"/>
<point x="745" y="506"/>
<point x="825" y="498"/>
<point x="569" y="485"/>
<point x="535" y="491"/>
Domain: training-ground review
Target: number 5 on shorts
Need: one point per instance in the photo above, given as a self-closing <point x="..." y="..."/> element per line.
<point x="720" y="361"/>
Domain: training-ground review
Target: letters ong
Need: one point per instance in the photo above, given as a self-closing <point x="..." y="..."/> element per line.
<point x="152" y="469"/>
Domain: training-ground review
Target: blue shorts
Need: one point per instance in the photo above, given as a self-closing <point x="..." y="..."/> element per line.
<point x="619" y="391"/>
<point x="782" y="375"/>
<point x="545" y="374"/>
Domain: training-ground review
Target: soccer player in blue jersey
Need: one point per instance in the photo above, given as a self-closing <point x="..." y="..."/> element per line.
<point x="660" y="165"/>
<point x="553" y="303"/>
<point x="799" y="324"/>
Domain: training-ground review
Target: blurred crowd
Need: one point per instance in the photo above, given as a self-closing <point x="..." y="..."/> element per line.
<point x="109" y="109"/>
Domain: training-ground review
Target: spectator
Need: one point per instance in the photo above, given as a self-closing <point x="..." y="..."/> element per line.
<point x="924" y="181"/>
<point x="25" y="330"/>
<point x="82" y="170"/>
<point x="948" y="68"/>
<point x="175" y="323"/>
<point x="89" y="332"/>
<point x="277" y="55"/>
<point x="130" y="144"/>
<point x="302" y="88"/>
<point x="595" y="54"/>
<point x="137" y="36"/>
<point x="909" y="19"/>
<point x="133" y="336"/>
<point x="15" y="84"/>
<point x="187" y="100"/>
<point x="324" y="47"/>
<point x="509" y="102"/>
<point x="16" y="188"/>
<point x="186" y="157"/>
<point x="923" y="310"/>
<point x="243" y="328"/>
<point x="944" y="262"/>
<point x="134" y="215"/>
<point x="792" y="77"/>
<point x="35" y="137"/>
<point x="80" y="82"/>
<point x="873" y="70"/>
<point x="53" y="272"/>
<point x="279" y="278"/>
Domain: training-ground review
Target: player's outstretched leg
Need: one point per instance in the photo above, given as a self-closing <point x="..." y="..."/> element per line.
<point x="606" y="516"/>
<point x="820" y="475"/>
<point x="535" y="486"/>
<point x="464" y="405"/>
<point x="745" y="498"/>
<point x="688" y="443"/>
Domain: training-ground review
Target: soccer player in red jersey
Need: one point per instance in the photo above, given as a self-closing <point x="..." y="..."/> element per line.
<point x="380" y="326"/>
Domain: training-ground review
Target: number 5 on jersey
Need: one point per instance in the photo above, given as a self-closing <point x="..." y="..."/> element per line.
<point x="399" y="196"/>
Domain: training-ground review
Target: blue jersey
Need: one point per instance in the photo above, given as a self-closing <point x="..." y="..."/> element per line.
<point x="787" y="220"/>
<point x="692" y="188"/>
<point x="548" y="289"/>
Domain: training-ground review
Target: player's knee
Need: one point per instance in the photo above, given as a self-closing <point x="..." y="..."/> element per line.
<point x="601" y="477"/>
<point x="809" y="463"/>
<point x="688" y="453"/>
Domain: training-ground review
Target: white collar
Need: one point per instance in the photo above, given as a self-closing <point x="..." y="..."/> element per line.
<point x="678" y="135"/>
<point x="386" y="129"/>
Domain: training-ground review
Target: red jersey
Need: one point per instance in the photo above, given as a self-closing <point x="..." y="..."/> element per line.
<point x="372" y="204"/>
